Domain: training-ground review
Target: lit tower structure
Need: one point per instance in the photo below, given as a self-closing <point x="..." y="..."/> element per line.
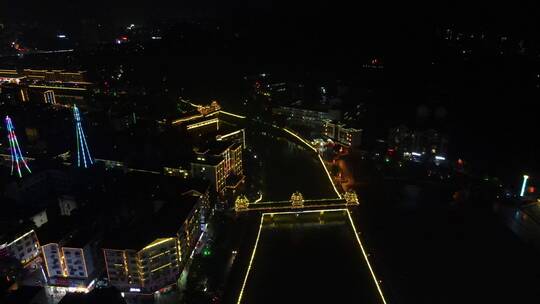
<point x="17" y="157"/>
<point x="84" y="159"/>
<point x="523" y="185"/>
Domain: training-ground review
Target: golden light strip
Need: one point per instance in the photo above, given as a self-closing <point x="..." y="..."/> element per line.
<point x="159" y="254"/>
<point x="177" y="121"/>
<point x="250" y="262"/>
<point x="58" y="88"/>
<point x="291" y="207"/>
<point x="157" y="243"/>
<point x="259" y="199"/>
<point x="329" y="176"/>
<point x="320" y="158"/>
<point x="45" y="258"/>
<point x="203" y="123"/>
<point x="366" y="258"/>
<point x="63" y="262"/>
<point x="126" y="269"/>
<point x="229" y="134"/>
<point x="232" y="114"/>
<point x="300" y="139"/>
<point x="21" y="237"/>
<point x="161" y="267"/>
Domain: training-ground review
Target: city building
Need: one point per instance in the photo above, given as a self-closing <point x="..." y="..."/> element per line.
<point x="217" y="163"/>
<point x="304" y="116"/>
<point x="21" y="246"/>
<point x="349" y="137"/>
<point x="54" y="75"/>
<point x="49" y="86"/>
<point x="69" y="251"/>
<point x="64" y="263"/>
<point x="149" y="253"/>
<point x="10" y="76"/>
<point x="418" y="145"/>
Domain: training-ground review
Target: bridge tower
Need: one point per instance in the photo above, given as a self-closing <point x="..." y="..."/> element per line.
<point x="84" y="159"/>
<point x="241" y="203"/>
<point x="17" y="158"/>
<point x="351" y="198"/>
<point x="297" y="200"/>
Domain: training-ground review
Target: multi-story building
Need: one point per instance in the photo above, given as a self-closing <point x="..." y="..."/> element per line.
<point x="50" y="86"/>
<point x="349" y="137"/>
<point x="64" y="263"/>
<point x="217" y="163"/>
<point x="418" y="144"/>
<point x="21" y="246"/>
<point x="305" y="116"/>
<point x="54" y="75"/>
<point x="69" y="252"/>
<point x="150" y="254"/>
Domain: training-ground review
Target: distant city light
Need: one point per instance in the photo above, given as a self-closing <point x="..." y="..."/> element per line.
<point x="523" y="185"/>
<point x="61" y="36"/>
<point x="440" y="157"/>
<point x="156" y="37"/>
<point x="135" y="289"/>
<point x="416" y="154"/>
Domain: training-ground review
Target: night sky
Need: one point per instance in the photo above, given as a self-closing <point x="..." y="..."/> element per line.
<point x="490" y="117"/>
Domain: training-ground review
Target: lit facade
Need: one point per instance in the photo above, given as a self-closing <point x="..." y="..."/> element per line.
<point x="349" y="137"/>
<point x="150" y="268"/>
<point x="310" y="117"/>
<point x="217" y="167"/>
<point x="67" y="265"/>
<point x="49" y="97"/>
<point x="158" y="264"/>
<point x="23" y="248"/>
<point x="418" y="143"/>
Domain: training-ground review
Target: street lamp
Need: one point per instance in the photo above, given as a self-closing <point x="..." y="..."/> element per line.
<point x="524" y="185"/>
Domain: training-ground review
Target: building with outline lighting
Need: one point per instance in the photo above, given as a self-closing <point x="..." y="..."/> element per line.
<point x="349" y="137"/>
<point x="217" y="163"/>
<point x="23" y="246"/>
<point x="69" y="250"/>
<point x="49" y="97"/>
<point x="149" y="253"/>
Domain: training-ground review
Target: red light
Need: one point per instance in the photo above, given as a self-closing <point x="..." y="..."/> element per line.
<point x="532" y="189"/>
<point x="460" y="162"/>
<point x="124" y="38"/>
